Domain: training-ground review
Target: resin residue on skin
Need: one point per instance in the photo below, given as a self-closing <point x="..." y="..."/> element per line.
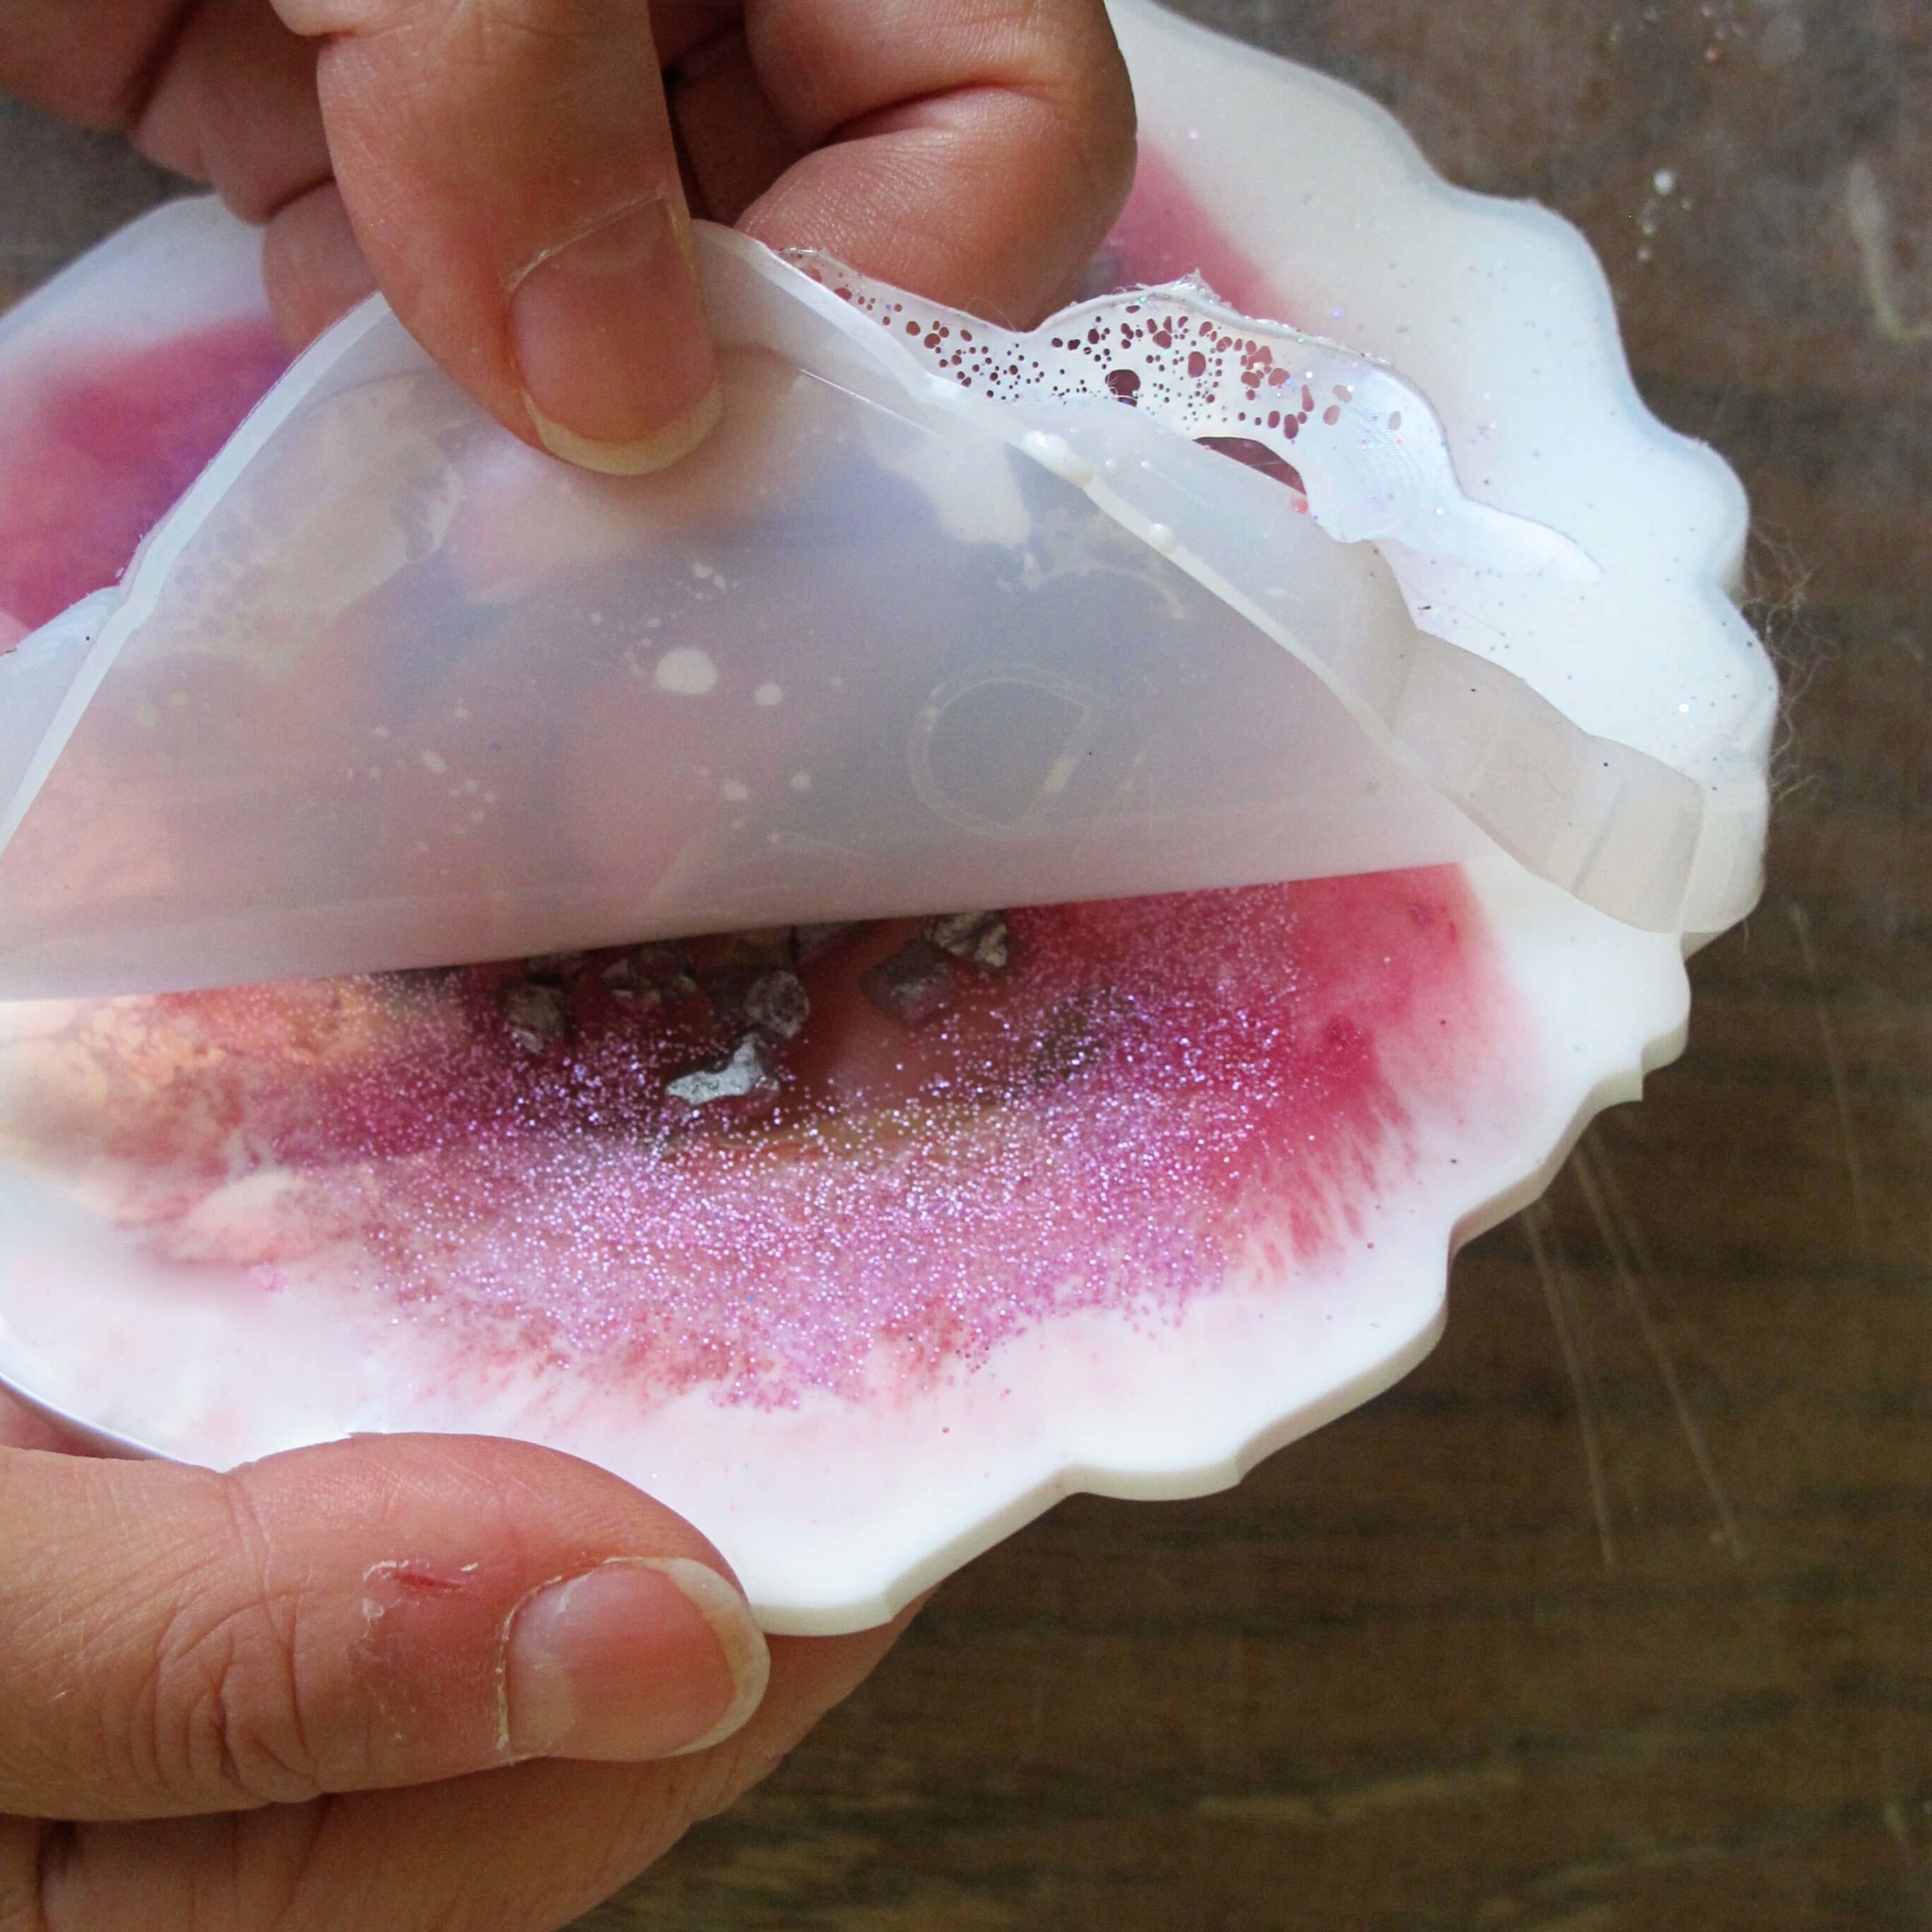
<point x="100" y="444"/>
<point x="1153" y="1095"/>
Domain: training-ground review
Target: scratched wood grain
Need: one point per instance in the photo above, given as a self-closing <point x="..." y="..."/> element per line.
<point x="1618" y="1613"/>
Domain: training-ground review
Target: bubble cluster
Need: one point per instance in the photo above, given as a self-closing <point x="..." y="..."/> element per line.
<point x="1177" y="352"/>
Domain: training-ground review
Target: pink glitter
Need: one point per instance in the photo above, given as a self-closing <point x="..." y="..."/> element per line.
<point x="107" y="444"/>
<point x="1157" y="1087"/>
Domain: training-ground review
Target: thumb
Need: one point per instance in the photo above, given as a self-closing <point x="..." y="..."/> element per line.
<point x="509" y="173"/>
<point x="384" y="1611"/>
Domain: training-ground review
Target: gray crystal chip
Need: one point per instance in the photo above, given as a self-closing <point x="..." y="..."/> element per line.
<point x="555" y="969"/>
<point x="651" y="974"/>
<point x="777" y="1004"/>
<point x="537" y="1016"/>
<point x="981" y="939"/>
<point x="911" y="983"/>
<point x="809" y="942"/>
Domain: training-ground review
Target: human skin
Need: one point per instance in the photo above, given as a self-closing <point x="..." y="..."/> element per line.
<point x="362" y="1684"/>
<point x="294" y="1696"/>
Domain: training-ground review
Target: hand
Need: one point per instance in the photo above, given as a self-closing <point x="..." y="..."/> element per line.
<point x="356" y="1687"/>
<point x="508" y="171"/>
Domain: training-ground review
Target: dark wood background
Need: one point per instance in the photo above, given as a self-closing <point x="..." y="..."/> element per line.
<point x="1616" y="1613"/>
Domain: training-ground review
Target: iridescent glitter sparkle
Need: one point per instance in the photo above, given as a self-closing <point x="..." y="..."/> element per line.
<point x="1153" y="1090"/>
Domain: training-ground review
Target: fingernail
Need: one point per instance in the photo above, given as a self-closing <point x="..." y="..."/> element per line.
<point x="619" y="372"/>
<point x="637" y="1658"/>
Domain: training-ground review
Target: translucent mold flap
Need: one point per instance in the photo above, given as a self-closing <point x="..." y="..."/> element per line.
<point x="917" y="630"/>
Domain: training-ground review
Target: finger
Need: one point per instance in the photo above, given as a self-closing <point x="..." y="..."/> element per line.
<point x="233" y="104"/>
<point x="510" y="174"/>
<point x="86" y="60"/>
<point x="508" y="1851"/>
<point x="734" y="141"/>
<point x="974" y="150"/>
<point x="25" y="1426"/>
<point x="312" y="266"/>
<point x="571" y="1834"/>
<point x="677" y="26"/>
<point x="377" y="1612"/>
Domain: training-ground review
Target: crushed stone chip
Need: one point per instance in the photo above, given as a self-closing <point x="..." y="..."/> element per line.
<point x="758" y="946"/>
<point x="811" y="941"/>
<point x="912" y="983"/>
<point x="777" y="1004"/>
<point x="655" y="973"/>
<point x="981" y="939"/>
<point x="556" y="969"/>
<point x="748" y="1069"/>
<point x="537" y="1016"/>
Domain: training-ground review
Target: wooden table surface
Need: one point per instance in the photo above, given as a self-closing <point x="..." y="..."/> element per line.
<point x="1618" y="1612"/>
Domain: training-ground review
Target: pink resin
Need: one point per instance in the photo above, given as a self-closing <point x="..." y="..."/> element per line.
<point x="1164" y="234"/>
<point x="100" y="444"/>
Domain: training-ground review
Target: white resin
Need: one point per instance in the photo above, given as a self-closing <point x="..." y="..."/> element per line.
<point x="1498" y="312"/>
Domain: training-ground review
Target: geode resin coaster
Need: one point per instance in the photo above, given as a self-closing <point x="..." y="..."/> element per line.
<point x="986" y="936"/>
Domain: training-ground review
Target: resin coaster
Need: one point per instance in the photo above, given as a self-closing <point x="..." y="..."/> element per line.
<point x="858" y="1244"/>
